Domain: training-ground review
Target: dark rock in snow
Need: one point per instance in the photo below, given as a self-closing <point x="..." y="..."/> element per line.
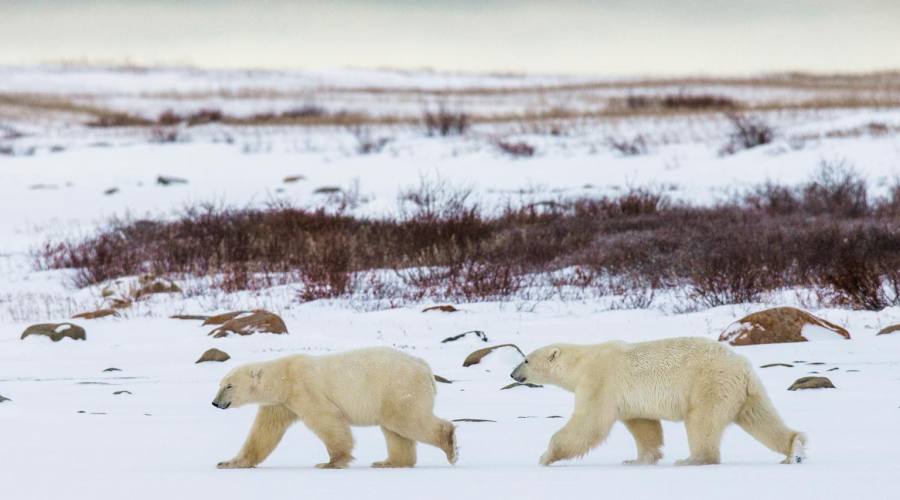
<point x="811" y="383"/>
<point x="478" y="333"/>
<point x="475" y="357"/>
<point x="56" y="331"/>
<point x="520" y="384"/>
<point x="780" y="324"/>
<point x="213" y="355"/>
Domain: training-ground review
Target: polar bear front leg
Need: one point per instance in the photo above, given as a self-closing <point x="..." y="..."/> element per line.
<point x="649" y="439"/>
<point x="269" y="427"/>
<point x="335" y="433"/>
<point x="589" y="425"/>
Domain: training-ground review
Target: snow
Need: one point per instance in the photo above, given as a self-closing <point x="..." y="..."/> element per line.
<point x="165" y="438"/>
<point x="814" y="333"/>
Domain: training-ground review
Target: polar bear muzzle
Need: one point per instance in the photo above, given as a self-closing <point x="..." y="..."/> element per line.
<point x="222" y="401"/>
<point x="519" y="373"/>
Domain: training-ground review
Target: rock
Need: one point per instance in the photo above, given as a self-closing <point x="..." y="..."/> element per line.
<point x="770" y="365"/>
<point x="99" y="313"/>
<point x="781" y="324"/>
<point x="213" y="355"/>
<point x="293" y="178"/>
<point x="520" y="384"/>
<point x="112" y="369"/>
<point x="150" y="284"/>
<point x="444" y="308"/>
<point x="56" y="331"/>
<point x="472" y="420"/>
<point x="438" y="378"/>
<point x="811" y="383"/>
<point x="833" y="369"/>
<point x="258" y="321"/>
<point x="4" y="399"/>
<point x="889" y="329"/>
<point x="111" y="191"/>
<point x="327" y="190"/>
<point x="219" y="319"/>
<point x="164" y="180"/>
<point x="476" y="357"/>
<point x="197" y="317"/>
<point x="477" y="333"/>
<point x="119" y="393"/>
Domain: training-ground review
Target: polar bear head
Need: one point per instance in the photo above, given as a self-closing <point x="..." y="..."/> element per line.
<point x="542" y="366"/>
<point x="246" y="384"/>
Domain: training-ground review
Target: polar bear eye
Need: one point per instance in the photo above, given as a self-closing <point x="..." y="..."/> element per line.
<point x="229" y="386"/>
<point x="526" y="361"/>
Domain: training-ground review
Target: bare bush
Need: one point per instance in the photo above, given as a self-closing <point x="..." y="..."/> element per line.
<point x="161" y="135"/>
<point x="634" y="146"/>
<point x="519" y="149"/>
<point x="444" y="122"/>
<point x="836" y="189"/>
<point x="443" y="247"/>
<point x="109" y="120"/>
<point x="747" y="132"/>
<point x="204" y="116"/>
<point x="365" y="143"/>
<point x="436" y="199"/>
<point x="681" y="101"/>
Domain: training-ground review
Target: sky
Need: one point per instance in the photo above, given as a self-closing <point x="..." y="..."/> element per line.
<point x="604" y="37"/>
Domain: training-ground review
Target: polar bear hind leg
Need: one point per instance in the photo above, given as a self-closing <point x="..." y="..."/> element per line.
<point x="759" y="418"/>
<point x="401" y="450"/>
<point x="428" y="429"/>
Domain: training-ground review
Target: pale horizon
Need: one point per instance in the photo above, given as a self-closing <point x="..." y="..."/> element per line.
<point x="613" y="37"/>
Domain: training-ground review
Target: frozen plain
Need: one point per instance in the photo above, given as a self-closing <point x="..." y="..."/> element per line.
<point x="164" y="438"/>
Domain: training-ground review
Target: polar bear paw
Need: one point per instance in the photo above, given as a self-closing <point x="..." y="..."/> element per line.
<point x="798" y="450"/>
<point x="390" y="465"/>
<point x="697" y="461"/>
<point x="234" y="464"/>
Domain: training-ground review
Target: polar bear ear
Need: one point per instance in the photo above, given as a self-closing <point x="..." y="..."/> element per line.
<point x="554" y="353"/>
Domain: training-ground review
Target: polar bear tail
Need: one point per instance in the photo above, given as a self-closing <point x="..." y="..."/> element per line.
<point x="760" y="419"/>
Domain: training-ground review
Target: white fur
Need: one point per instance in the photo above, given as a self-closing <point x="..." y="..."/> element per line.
<point x="365" y="387"/>
<point x="698" y="381"/>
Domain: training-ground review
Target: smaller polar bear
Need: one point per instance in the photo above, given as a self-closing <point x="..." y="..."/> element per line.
<point x="696" y="380"/>
<point x="376" y="386"/>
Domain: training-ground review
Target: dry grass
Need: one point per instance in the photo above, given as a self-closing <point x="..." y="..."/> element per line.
<point x="596" y="100"/>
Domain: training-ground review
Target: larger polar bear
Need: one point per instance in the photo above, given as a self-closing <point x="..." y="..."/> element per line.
<point x="696" y="380"/>
<point x="365" y="387"/>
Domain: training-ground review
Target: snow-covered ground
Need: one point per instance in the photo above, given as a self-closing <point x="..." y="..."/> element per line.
<point x="165" y="438"/>
<point x="65" y="433"/>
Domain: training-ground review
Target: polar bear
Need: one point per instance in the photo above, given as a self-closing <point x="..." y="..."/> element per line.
<point x="365" y="387"/>
<point x="696" y="380"/>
